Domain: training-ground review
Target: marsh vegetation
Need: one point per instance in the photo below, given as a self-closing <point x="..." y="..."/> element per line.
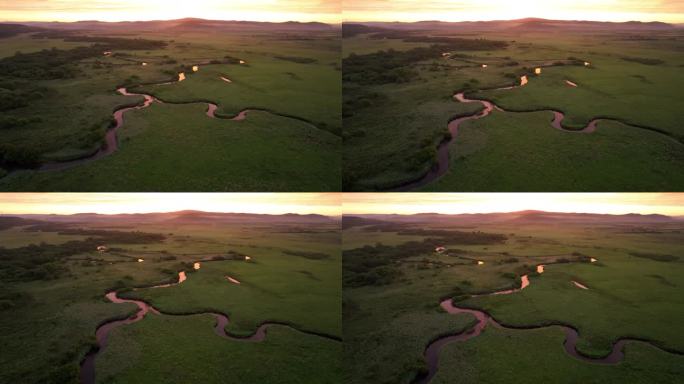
<point x="56" y="274"/>
<point x="398" y="102"/>
<point x="398" y="270"/>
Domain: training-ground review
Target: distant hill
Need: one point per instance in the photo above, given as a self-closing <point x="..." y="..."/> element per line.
<point x="521" y="217"/>
<point x="188" y="24"/>
<point x="528" y="24"/>
<point x="9" y="30"/>
<point x="179" y="217"/>
<point x="356" y="221"/>
<point x="351" y="29"/>
<point x="7" y="222"/>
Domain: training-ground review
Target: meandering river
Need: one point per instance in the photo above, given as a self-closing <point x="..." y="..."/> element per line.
<point x="442" y="163"/>
<point x="483" y="320"/>
<point x="87" y="372"/>
<point x="111" y="143"/>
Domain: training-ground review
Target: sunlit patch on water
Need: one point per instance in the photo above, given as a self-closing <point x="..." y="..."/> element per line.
<point x="537" y="71"/>
<point x="540" y="268"/>
<point x="195" y="68"/>
<point x="181" y="76"/>
<point x="196" y="266"/>
<point x="140" y="260"/>
<point x="524" y="281"/>
<point x="479" y="262"/>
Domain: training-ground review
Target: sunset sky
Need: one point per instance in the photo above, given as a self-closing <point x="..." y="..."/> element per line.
<point x="109" y="203"/>
<point x="464" y="10"/>
<point x="128" y="10"/>
<point x="614" y="203"/>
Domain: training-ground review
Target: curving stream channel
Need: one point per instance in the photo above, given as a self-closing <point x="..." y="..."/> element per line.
<point x="111" y="144"/>
<point x="87" y="372"/>
<point x="441" y="166"/>
<point x="483" y="319"/>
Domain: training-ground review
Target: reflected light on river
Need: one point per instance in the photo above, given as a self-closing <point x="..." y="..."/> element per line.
<point x="580" y="285"/>
<point x="524" y="282"/>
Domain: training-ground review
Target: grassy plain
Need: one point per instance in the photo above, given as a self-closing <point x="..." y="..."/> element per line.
<point x="391" y="138"/>
<point x="281" y="73"/>
<point x="537" y="353"/>
<point x="48" y="321"/>
<point x="161" y="350"/>
<point x="178" y="148"/>
<point x="628" y="296"/>
<point x="522" y="152"/>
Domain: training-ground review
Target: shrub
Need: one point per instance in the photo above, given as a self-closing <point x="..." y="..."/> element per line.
<point x="15" y="156"/>
<point x="643" y="60"/>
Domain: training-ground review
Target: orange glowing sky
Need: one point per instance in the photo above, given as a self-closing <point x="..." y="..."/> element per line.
<point x="111" y="203"/>
<point x="464" y="10"/>
<point x="131" y="10"/>
<point x="453" y="203"/>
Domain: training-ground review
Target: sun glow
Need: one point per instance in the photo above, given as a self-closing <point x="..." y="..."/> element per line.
<point x="465" y="10"/>
<point x="454" y="203"/>
<point x="113" y="203"/>
<point x="128" y="10"/>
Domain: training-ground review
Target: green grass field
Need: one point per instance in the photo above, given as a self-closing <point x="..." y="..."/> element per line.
<point x="522" y="152"/>
<point x="185" y="349"/>
<point x="178" y="148"/>
<point x="392" y="319"/>
<point x="392" y="128"/>
<point x="49" y="321"/>
<point x="66" y="118"/>
<point x="538" y="355"/>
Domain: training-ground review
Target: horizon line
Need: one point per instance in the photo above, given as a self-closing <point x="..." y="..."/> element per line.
<point x="153" y="20"/>
<point x="517" y="211"/>
<point x="513" y="19"/>
<point x="156" y="212"/>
